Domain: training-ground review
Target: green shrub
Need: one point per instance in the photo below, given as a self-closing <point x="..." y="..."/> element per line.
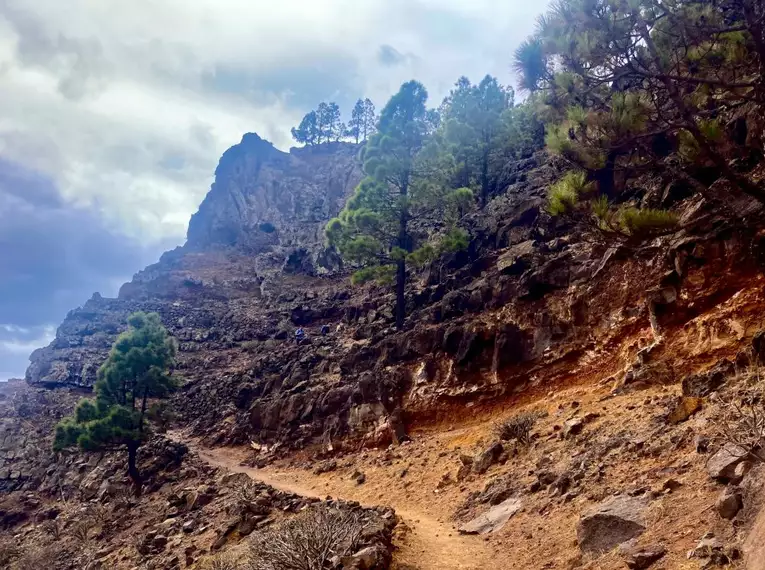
<point x="564" y="195"/>
<point x="647" y="221"/>
<point x="382" y="274"/>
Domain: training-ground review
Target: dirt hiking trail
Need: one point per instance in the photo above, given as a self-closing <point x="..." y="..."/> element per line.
<point x="425" y="544"/>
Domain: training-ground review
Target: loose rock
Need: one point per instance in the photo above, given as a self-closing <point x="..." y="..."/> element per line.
<point x="729" y="503"/>
<point x="611" y="523"/>
<point x="641" y="557"/>
<point x="493" y="519"/>
<point x="722" y="465"/>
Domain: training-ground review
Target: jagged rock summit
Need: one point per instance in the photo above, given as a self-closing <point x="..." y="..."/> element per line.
<point x="263" y="197"/>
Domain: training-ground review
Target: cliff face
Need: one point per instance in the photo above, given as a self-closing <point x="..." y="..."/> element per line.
<point x="262" y="197"/>
<point x="530" y="305"/>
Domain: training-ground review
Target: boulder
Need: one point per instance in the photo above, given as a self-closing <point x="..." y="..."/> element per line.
<point x="91" y="484"/>
<point x="710" y="552"/>
<point x="729" y="503"/>
<point x="610" y="523"/>
<point x="574" y="426"/>
<point x="740" y="472"/>
<point x="516" y="259"/>
<point x="487" y="458"/>
<point x="493" y="519"/>
<point x="369" y="558"/>
<point x="722" y="465"/>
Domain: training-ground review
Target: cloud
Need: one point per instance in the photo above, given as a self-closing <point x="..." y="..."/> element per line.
<point x="390" y="56"/>
<point x="109" y="98"/>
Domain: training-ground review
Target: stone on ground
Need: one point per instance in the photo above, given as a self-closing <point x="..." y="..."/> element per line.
<point x="641" y="557"/>
<point x="493" y="519"/>
<point x="611" y="523"/>
<point x="722" y="465"/>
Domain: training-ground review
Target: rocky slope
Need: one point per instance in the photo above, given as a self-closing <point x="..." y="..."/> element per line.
<point x="534" y="308"/>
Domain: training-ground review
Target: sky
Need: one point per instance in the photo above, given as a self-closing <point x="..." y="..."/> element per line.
<point x="113" y="116"/>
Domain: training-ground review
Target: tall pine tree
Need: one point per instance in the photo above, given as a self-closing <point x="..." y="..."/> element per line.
<point x="374" y="229"/>
<point x="329" y="121"/>
<point x="472" y="116"/>
<point x="369" y="120"/>
<point x="356" y="124"/>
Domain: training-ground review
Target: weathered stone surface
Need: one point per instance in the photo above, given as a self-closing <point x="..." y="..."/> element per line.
<point x="572" y="427"/>
<point x="754" y="545"/>
<point x="703" y="384"/>
<point x="493" y="519"/>
<point x="369" y="558"/>
<point x="517" y="258"/>
<point x="710" y="552"/>
<point x="722" y="465"/>
<point x="611" y="523"/>
<point x="729" y="503"/>
<point x="642" y="557"/>
<point x="487" y="458"/>
<point x="741" y="471"/>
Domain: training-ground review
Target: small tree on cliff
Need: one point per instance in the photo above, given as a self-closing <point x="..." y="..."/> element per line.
<point x="374" y="229"/>
<point x="308" y="130"/>
<point x="135" y="371"/>
<point x="355" y="125"/>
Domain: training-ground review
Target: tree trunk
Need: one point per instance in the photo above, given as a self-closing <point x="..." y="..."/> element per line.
<point x="485" y="178"/>
<point x="403" y="243"/>
<point x="143" y="410"/>
<point x="605" y="176"/>
<point x="133" y="472"/>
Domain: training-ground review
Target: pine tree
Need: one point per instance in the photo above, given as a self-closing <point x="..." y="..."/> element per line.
<point x="369" y="120"/>
<point x="307" y="131"/>
<point x="355" y="125"/>
<point x="330" y="126"/>
<point x="473" y="122"/>
<point x="618" y="78"/>
<point x="373" y="230"/>
<point x="341" y="131"/>
<point x="135" y="371"/>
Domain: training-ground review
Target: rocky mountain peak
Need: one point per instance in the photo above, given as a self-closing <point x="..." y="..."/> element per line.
<point x="263" y="197"/>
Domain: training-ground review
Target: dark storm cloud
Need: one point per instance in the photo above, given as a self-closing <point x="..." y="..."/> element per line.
<point x="52" y="258"/>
